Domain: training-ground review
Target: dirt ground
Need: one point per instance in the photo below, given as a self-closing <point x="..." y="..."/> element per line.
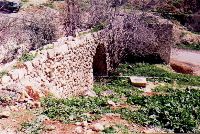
<point x="17" y="117"/>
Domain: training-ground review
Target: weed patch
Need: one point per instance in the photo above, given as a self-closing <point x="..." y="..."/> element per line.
<point x="76" y="109"/>
<point x="2" y="73"/>
<point x="27" y="57"/>
<point x="178" y="111"/>
<point x="158" y="74"/>
<point x="174" y="108"/>
<point x="193" y="46"/>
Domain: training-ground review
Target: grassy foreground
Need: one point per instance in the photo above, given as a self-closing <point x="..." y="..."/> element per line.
<point x="171" y="108"/>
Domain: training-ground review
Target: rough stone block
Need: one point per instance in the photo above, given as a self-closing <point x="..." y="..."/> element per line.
<point x="138" y="81"/>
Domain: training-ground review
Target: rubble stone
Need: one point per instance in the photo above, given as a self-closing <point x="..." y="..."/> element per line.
<point x="5" y="79"/>
<point x="5" y="114"/>
<point x="79" y="130"/>
<point x="138" y="81"/>
<point x="97" y="127"/>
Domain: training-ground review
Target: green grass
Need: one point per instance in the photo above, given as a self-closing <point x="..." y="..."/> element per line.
<point x="2" y="73"/>
<point x="178" y="111"/>
<point x="76" y="109"/>
<point x="98" y="27"/>
<point x="193" y="46"/>
<point x="157" y="73"/>
<point x="34" y="127"/>
<point x="176" y="108"/>
<point x="109" y="130"/>
<point x="24" y="1"/>
<point x="49" y="4"/>
<point x="27" y="57"/>
<point x="177" y="2"/>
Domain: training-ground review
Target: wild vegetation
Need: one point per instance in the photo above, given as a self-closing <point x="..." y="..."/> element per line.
<point x="174" y="108"/>
<point x="172" y="105"/>
<point x="158" y="74"/>
<point x="2" y="73"/>
<point x="193" y="46"/>
<point x="27" y="57"/>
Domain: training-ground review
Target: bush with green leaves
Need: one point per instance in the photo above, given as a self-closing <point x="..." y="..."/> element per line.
<point x="27" y="57"/>
<point x="2" y="73"/>
<point x="177" y="110"/>
<point x="76" y="109"/>
<point x="98" y="27"/>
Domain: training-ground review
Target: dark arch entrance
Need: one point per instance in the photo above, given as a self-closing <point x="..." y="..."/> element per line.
<point x="99" y="62"/>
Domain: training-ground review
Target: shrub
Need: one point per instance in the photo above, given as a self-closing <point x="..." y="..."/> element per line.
<point x="76" y="109"/>
<point x="193" y="46"/>
<point x="2" y="73"/>
<point x="178" y="111"/>
<point x="27" y="57"/>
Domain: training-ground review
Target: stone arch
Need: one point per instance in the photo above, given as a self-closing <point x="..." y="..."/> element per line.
<point x="99" y="61"/>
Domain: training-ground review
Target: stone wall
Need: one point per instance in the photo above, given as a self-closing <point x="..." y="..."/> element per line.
<point x="66" y="67"/>
<point x="63" y="69"/>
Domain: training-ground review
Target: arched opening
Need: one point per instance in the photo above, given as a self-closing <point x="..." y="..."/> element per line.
<point x="99" y="62"/>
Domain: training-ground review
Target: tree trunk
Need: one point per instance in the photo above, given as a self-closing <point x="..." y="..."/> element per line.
<point x="71" y="17"/>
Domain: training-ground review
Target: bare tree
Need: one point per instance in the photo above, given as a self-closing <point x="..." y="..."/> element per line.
<point x="71" y="17"/>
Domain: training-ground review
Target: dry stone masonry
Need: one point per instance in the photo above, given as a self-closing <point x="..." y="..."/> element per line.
<point x="62" y="69"/>
<point x="66" y="67"/>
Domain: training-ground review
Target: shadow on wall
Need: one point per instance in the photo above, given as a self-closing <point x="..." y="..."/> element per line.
<point x="99" y="62"/>
<point x="152" y="59"/>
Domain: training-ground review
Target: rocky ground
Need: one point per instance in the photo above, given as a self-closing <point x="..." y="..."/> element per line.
<point x="23" y="119"/>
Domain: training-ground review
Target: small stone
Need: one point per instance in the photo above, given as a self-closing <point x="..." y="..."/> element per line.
<point x="36" y="104"/>
<point x="150" y="130"/>
<point x="50" y="54"/>
<point x="36" y="63"/>
<point x="70" y="38"/>
<point x="111" y="103"/>
<point x="5" y="79"/>
<point x="23" y="96"/>
<point x="14" y="108"/>
<point x="5" y="114"/>
<point x="108" y="93"/>
<point x="21" y="73"/>
<point x="17" y="73"/>
<point x="14" y="74"/>
<point x="29" y="66"/>
<point x="50" y="128"/>
<point x="112" y="114"/>
<point x="138" y="81"/>
<point x="85" y="124"/>
<point x="42" y="118"/>
<point x="79" y="130"/>
<point x="89" y="131"/>
<point x="78" y="123"/>
<point x="90" y="93"/>
<point x="97" y="127"/>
